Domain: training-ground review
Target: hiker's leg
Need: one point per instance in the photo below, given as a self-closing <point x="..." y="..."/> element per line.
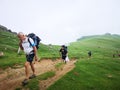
<point x="27" y="69"/>
<point x="63" y="58"/>
<point x="32" y="67"/>
<point x="30" y="58"/>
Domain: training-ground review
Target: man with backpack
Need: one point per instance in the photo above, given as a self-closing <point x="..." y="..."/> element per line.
<point x="28" y="46"/>
<point x="63" y="52"/>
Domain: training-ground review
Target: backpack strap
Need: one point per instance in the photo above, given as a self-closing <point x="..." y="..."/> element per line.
<point x="29" y="41"/>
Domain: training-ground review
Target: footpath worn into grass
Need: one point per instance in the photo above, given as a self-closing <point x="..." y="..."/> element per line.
<point x="48" y="71"/>
<point x="96" y="73"/>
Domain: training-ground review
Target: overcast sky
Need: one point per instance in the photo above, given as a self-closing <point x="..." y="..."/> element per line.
<point x="61" y="21"/>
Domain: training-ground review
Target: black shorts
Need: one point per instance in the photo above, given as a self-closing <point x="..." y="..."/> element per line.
<point x="30" y="57"/>
<point x="63" y="57"/>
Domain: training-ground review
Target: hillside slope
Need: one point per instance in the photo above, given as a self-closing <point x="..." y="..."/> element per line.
<point x="100" y="72"/>
<point x="103" y="45"/>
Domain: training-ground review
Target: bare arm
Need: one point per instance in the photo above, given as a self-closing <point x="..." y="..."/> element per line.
<point x="35" y="52"/>
<point x="20" y="44"/>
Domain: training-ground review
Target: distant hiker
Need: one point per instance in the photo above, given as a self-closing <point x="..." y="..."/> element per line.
<point x="113" y="55"/>
<point x="63" y="52"/>
<point x="118" y="55"/>
<point x="30" y="52"/>
<point x="89" y="54"/>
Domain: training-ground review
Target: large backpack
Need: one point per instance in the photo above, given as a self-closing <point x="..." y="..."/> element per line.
<point x="35" y="38"/>
<point x="66" y="48"/>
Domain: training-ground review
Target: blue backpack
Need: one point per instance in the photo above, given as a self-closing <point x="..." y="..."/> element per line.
<point x="35" y="38"/>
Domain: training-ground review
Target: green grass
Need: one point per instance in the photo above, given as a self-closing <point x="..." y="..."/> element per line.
<point x="91" y="74"/>
<point x="59" y="66"/>
<point x="99" y="45"/>
<point x="34" y="83"/>
<point x="101" y="72"/>
<point x="49" y="52"/>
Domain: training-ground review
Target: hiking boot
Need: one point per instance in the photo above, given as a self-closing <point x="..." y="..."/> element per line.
<point x="25" y="82"/>
<point x="32" y="76"/>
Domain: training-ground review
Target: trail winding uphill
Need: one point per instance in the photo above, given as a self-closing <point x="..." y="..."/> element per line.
<point x="10" y="79"/>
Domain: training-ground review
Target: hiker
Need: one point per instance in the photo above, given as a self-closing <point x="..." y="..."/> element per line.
<point x="118" y="55"/>
<point x="63" y="52"/>
<point x="89" y="54"/>
<point x="113" y="55"/>
<point x="30" y="52"/>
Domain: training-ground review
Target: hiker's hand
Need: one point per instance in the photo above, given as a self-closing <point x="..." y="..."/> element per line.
<point x="36" y="59"/>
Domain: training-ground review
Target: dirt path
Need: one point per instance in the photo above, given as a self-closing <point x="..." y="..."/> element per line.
<point x="12" y="78"/>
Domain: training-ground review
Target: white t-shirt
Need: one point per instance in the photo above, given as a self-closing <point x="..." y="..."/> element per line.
<point x="27" y="46"/>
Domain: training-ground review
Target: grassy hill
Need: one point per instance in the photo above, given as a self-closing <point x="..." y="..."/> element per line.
<point x="100" y="72"/>
<point x="9" y="46"/>
<point x="102" y="45"/>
